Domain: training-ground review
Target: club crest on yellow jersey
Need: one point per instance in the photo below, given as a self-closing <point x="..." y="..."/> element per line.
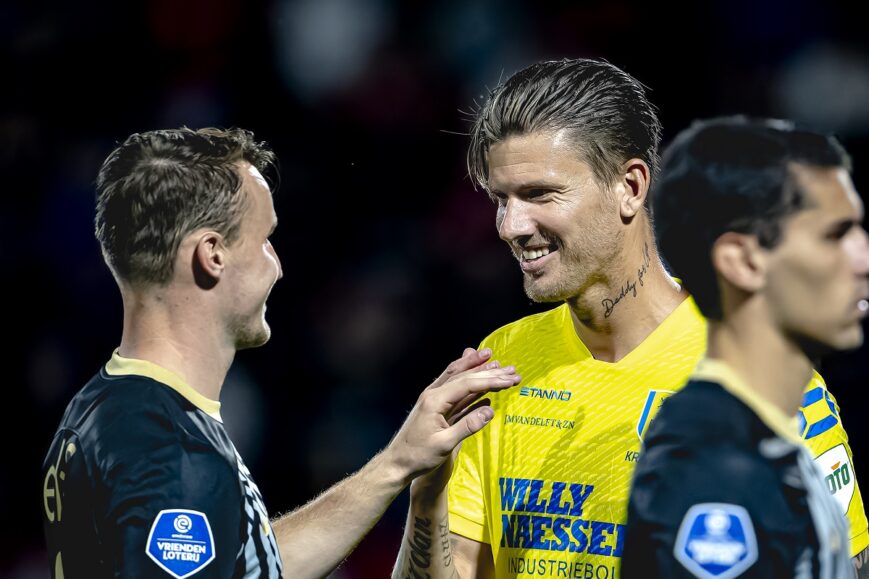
<point x="650" y="409"/>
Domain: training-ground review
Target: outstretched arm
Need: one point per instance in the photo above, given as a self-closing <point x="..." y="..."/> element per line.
<point x="315" y="538"/>
<point x="428" y="549"/>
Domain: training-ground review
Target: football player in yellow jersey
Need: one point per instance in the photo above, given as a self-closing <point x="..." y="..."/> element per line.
<point x="567" y="150"/>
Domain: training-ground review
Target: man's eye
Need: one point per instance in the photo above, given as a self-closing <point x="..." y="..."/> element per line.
<point x="839" y="232"/>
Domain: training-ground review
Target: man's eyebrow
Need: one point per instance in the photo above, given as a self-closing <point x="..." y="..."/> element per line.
<point x="529" y="186"/>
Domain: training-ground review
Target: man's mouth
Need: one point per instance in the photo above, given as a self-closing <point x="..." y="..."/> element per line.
<point x="534" y="254"/>
<point x="534" y="259"/>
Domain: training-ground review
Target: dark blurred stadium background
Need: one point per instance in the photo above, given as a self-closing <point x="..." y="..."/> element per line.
<point x="391" y="260"/>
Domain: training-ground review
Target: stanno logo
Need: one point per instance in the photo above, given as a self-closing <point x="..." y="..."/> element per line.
<point x="562" y="395"/>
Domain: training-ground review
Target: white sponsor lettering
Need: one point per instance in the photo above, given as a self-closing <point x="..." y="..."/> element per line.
<point x="174" y="556"/>
<point x="165" y="546"/>
<point x="711" y="552"/>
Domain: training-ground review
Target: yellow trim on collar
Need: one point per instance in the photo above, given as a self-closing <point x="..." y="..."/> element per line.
<point x="771" y="415"/>
<point x="120" y="366"/>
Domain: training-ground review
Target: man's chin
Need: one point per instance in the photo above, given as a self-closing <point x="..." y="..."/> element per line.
<point x="253" y="339"/>
<point x="816" y="348"/>
<point x="541" y="294"/>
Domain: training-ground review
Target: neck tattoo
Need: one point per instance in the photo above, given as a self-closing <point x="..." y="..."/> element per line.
<point x="630" y="286"/>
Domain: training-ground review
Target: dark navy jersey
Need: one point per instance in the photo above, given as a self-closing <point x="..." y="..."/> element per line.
<point x="723" y="488"/>
<point x="141" y="480"/>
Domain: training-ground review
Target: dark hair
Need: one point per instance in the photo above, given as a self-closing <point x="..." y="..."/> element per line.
<point x="604" y="108"/>
<point x="158" y="187"/>
<point x="730" y="174"/>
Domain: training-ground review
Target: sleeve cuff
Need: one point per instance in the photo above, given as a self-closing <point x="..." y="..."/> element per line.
<point x="858" y="542"/>
<point x="465" y="527"/>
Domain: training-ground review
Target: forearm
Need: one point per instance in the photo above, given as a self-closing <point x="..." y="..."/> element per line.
<point x="426" y="551"/>
<point x="315" y="538"/>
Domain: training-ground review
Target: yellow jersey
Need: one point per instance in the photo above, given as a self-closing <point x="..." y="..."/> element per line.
<point x="546" y="483"/>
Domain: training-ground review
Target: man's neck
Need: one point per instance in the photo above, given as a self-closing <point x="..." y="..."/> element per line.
<point x="615" y="315"/>
<point x="772" y="365"/>
<point x="177" y="340"/>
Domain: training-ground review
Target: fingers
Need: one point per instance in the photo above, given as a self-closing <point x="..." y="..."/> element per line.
<point x="459" y="390"/>
<point x="470" y="424"/>
<point x="470" y="404"/>
<point x="453" y="414"/>
<point x="462" y="407"/>
<point x="471" y="358"/>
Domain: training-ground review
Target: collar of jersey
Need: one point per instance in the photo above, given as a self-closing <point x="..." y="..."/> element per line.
<point x="685" y="315"/>
<point x="719" y="372"/>
<point x="120" y="366"/>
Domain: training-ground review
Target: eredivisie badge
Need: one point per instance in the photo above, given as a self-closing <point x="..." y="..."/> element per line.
<point x="838" y="474"/>
<point x="650" y="409"/>
<point x="180" y="542"/>
<point x="716" y="541"/>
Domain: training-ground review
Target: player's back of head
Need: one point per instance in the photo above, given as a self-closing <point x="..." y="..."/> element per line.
<point x="730" y="174"/>
<point x="159" y="186"/>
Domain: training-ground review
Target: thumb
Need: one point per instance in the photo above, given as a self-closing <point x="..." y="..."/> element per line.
<point x="471" y="423"/>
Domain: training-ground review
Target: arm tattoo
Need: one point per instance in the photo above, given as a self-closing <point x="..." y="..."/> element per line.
<point x="446" y="550"/>
<point x="861" y="563"/>
<point x="420" y="550"/>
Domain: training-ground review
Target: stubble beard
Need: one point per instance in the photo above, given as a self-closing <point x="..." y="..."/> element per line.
<point x="566" y="275"/>
<point x="250" y="333"/>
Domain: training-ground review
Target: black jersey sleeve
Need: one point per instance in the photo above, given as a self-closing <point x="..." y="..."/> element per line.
<point x="170" y="501"/>
<point x="701" y="510"/>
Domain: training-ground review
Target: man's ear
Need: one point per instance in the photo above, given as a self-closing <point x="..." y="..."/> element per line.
<point x="633" y="188"/>
<point x="739" y="259"/>
<point x="209" y="259"/>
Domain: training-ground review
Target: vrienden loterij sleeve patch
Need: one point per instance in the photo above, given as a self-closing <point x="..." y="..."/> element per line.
<point x="181" y="542"/>
<point x="716" y="541"/>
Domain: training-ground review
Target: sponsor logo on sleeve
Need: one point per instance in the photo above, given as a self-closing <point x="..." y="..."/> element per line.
<point x="181" y="542"/>
<point x="838" y="474"/>
<point x="716" y="540"/>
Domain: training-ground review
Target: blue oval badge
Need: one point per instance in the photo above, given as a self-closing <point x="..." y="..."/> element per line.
<point x="180" y="542"/>
<point x="716" y="541"/>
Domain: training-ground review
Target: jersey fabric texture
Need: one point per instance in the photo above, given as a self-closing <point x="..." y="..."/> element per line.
<point x="725" y="487"/>
<point x="546" y="483"/>
<point x="141" y="480"/>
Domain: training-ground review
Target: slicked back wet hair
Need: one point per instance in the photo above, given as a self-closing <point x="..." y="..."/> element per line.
<point x="158" y="187"/>
<point x="731" y="174"/>
<point x="605" y="110"/>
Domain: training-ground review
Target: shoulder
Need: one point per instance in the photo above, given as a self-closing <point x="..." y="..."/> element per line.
<point x="540" y="324"/>
<point x="129" y="420"/>
<point x="129" y="407"/>
<point x="681" y="471"/>
<point x="685" y="416"/>
<point x="819" y="412"/>
<point x="694" y="456"/>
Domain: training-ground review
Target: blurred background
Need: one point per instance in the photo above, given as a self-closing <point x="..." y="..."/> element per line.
<point x="392" y="263"/>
